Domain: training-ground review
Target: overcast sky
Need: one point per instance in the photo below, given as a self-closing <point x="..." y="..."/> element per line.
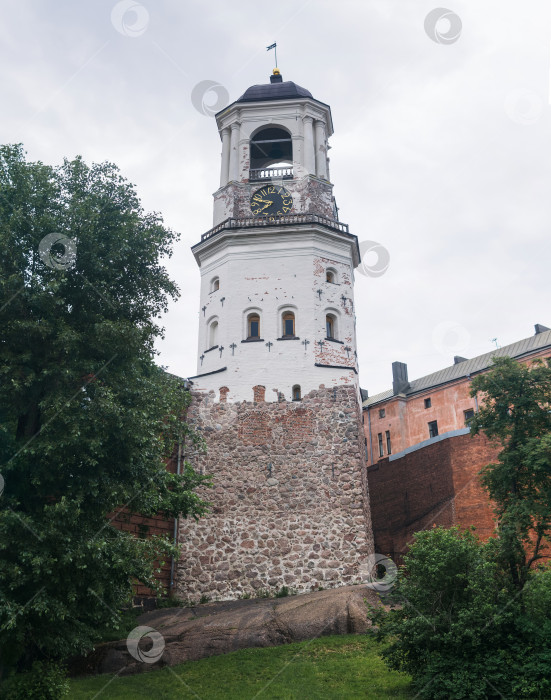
<point x="441" y="151"/>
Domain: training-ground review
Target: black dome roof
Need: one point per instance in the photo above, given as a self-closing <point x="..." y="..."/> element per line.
<point x="274" y="91"/>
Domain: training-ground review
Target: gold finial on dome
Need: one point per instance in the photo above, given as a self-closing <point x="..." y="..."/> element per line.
<point x="276" y="71"/>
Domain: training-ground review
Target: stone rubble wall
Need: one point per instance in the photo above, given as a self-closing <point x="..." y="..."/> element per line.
<point x="289" y="498"/>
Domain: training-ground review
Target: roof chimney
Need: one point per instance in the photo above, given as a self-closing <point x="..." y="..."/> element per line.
<point x="457" y="359"/>
<point x="399" y="377"/>
<point x="540" y="329"/>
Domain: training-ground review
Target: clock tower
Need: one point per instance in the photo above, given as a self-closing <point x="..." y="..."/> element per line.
<point x="277" y="268"/>
<point x="276" y="392"/>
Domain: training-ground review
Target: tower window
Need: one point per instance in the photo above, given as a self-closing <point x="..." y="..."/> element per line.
<point x="288" y="324"/>
<point x="380" y="440"/>
<point x="253" y="326"/>
<point x="296" y="393"/>
<point x="433" y="428"/>
<point x="215" y="285"/>
<point x="330" y="276"/>
<point x="330" y="326"/>
<point x="213" y="334"/>
<point x="428" y="403"/>
<point x="388" y="445"/>
<point x="269" y="146"/>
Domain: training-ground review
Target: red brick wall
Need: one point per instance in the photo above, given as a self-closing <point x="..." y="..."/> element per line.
<point x="472" y="506"/>
<point x="408" y="495"/>
<point x="157" y="525"/>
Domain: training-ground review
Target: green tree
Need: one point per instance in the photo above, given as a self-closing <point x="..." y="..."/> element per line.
<point x="516" y="413"/>
<point x="87" y="420"/>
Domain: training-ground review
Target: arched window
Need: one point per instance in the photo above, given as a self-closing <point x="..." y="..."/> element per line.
<point x="215" y="284"/>
<point x="288" y="319"/>
<point x="330" y="327"/>
<point x="296" y="393"/>
<point x="331" y="275"/>
<point x="213" y="334"/>
<point x="269" y="146"/>
<point x="253" y="326"/>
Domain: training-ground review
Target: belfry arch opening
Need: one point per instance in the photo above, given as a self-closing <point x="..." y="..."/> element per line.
<point x="271" y="146"/>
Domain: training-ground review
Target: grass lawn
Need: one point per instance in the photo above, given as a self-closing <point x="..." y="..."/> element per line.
<point x="347" y="666"/>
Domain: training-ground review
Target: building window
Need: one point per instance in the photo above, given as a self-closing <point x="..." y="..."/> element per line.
<point x="213" y="334"/>
<point x="253" y="326"/>
<point x="433" y="428"/>
<point x="428" y="403"/>
<point x="215" y="285"/>
<point x="330" y="325"/>
<point x="330" y="275"/>
<point x="296" y="393"/>
<point x="388" y="445"/>
<point x="380" y="439"/>
<point x="288" y="324"/>
<point x="382" y="413"/>
<point x="469" y="415"/>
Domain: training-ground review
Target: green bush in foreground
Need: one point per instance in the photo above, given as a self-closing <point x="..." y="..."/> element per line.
<point x="462" y="630"/>
<point x="43" y="682"/>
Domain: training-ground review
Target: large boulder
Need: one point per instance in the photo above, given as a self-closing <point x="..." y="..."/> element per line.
<point x="193" y="633"/>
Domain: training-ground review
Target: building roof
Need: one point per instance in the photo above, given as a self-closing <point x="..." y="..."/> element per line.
<point x="274" y="91"/>
<point x="467" y="367"/>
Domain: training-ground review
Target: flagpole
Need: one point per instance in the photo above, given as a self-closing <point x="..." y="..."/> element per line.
<point x="275" y="52"/>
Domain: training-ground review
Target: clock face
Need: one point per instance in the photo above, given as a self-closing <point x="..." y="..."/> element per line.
<point x="271" y="201"/>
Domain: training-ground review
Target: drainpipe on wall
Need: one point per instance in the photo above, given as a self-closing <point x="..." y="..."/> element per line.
<point x="370" y="440"/>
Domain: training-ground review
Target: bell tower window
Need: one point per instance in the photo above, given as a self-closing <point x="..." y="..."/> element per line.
<point x="271" y="146"/>
<point x="213" y="334"/>
<point x="330" y="326"/>
<point x="215" y="285"/>
<point x="253" y="326"/>
<point x="296" y="393"/>
<point x="288" y="324"/>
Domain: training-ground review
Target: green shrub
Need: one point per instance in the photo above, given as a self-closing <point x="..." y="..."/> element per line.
<point x="461" y="630"/>
<point x="43" y="682"/>
<point x="283" y="592"/>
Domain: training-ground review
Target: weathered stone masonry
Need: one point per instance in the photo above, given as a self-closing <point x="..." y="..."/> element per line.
<point x="289" y="498"/>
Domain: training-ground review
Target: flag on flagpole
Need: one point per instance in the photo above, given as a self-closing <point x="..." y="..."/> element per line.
<point x="272" y="46"/>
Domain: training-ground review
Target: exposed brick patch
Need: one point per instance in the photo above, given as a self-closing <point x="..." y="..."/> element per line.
<point x="223" y="394"/>
<point x="254" y="429"/>
<point x="259" y="393"/>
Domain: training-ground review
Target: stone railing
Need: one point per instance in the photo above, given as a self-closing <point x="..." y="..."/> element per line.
<point x="296" y="219"/>
<point x="258" y="174"/>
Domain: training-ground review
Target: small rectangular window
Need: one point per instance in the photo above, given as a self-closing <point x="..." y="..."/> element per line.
<point x="428" y="403"/>
<point x="433" y="428"/>
<point x="380" y="438"/>
<point x="382" y="413"/>
<point x="388" y="446"/>
<point x="469" y="415"/>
